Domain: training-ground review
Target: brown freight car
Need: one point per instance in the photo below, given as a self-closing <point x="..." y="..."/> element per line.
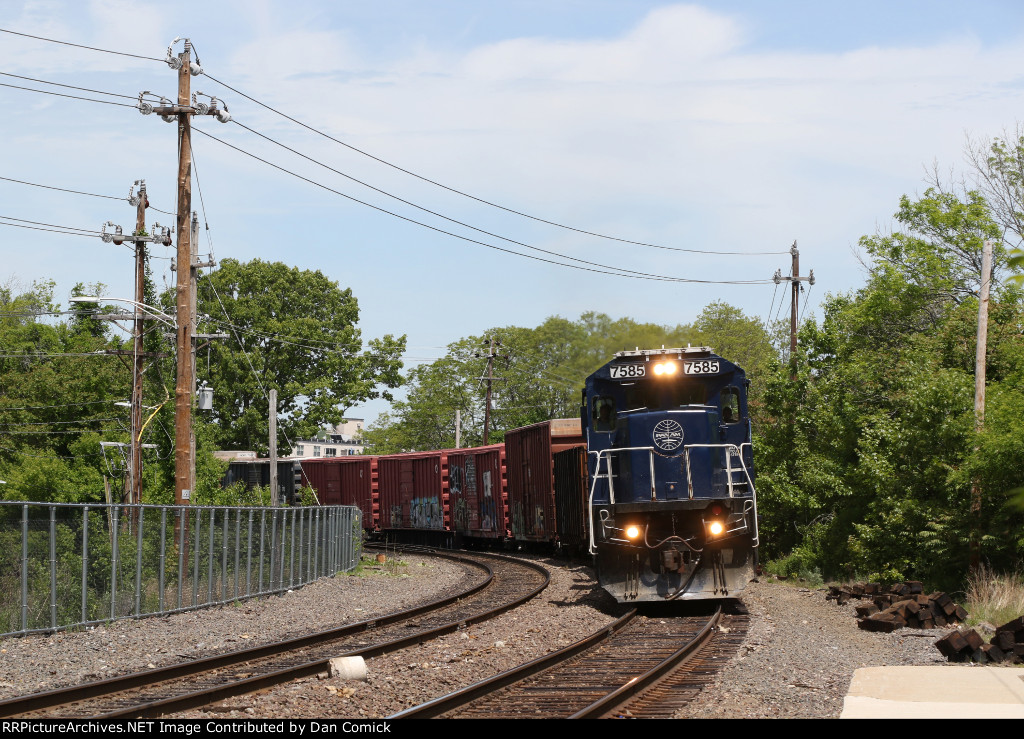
<point x="530" y="467"/>
<point x="345" y="481"/>
<point x="413" y="495"/>
<point x="476" y="492"/>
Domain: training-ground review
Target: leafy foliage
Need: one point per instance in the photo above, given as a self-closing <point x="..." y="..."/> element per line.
<point x="294" y="331"/>
<point x="542" y="371"/>
<point x="867" y="461"/>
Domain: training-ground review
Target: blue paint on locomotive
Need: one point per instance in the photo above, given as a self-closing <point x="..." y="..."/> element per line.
<point x="668" y="441"/>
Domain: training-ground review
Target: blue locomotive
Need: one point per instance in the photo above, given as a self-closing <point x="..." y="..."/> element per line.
<point x="673" y="511"/>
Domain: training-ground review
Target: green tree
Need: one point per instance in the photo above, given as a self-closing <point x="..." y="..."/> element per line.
<point x="865" y="466"/>
<point x="541" y="372"/>
<point x="295" y="331"/>
<point x="57" y="392"/>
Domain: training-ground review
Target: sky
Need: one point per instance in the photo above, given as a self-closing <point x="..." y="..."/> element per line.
<point x="734" y="126"/>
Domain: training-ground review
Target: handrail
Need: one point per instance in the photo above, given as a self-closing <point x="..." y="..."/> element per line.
<point x="606" y="453"/>
<point x="731" y="448"/>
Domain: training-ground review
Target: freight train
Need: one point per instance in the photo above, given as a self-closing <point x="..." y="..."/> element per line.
<point x="655" y="480"/>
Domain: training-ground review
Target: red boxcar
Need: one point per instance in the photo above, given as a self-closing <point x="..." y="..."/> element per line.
<point x="413" y="491"/>
<point x="345" y="481"/>
<point x="476" y="492"/>
<point x="529" y="462"/>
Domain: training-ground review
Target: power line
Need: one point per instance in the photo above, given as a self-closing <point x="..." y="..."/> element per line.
<point x="53" y="225"/>
<point x="76" y="192"/>
<point x="50" y="230"/>
<point x="70" y="87"/>
<point x="476" y="241"/>
<point x="80" y="46"/>
<point x="473" y="197"/>
<point x="59" y="405"/>
<point x="435" y="213"/>
<point x="73" y="97"/>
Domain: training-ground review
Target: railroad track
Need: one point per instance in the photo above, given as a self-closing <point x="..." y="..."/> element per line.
<point x="184" y="686"/>
<point x="637" y="667"/>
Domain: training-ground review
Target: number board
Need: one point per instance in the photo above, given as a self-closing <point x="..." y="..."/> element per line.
<point x="627" y="371"/>
<point x="701" y="367"/>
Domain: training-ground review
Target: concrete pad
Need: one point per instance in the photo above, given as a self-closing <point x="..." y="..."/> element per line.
<point x="955" y="691"/>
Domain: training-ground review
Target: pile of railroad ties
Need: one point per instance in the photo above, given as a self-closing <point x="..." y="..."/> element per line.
<point x="906" y="605"/>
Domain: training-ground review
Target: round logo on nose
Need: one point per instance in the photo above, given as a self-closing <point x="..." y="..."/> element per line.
<point x="668" y="435"/>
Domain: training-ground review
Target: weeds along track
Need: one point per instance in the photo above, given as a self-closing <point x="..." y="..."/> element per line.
<point x="637" y="667"/>
<point x="501" y="584"/>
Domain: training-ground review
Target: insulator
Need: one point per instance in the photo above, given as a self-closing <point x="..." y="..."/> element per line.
<point x="172" y="61"/>
<point x="145" y="108"/>
<point x="223" y="116"/>
<point x="201" y="108"/>
<point x="194" y="69"/>
<point x="811" y="278"/>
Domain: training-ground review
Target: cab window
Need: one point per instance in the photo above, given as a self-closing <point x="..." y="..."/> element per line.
<point x="603" y="413"/>
<point x="730" y="405"/>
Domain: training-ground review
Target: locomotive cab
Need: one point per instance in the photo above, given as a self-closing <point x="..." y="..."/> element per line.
<point x="672" y="505"/>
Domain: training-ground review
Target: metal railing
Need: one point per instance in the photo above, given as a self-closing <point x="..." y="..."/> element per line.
<point x="64" y="565"/>
<point x="731" y="449"/>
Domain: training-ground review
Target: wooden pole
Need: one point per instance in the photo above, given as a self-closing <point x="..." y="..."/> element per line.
<point x="135" y="466"/>
<point x="183" y="463"/>
<point x="273" y="448"/>
<point x="981" y="352"/>
<point x="490" y="378"/>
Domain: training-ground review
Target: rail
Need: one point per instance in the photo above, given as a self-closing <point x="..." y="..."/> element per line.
<point x="65" y="565"/>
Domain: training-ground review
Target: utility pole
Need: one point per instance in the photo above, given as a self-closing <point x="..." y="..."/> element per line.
<point x="795" y="279"/>
<point x="184" y="463"/>
<point x="133" y="476"/>
<point x="184" y="392"/>
<point x="980" y="355"/>
<point x="273" y="447"/>
<point x="135" y="467"/>
<point x="489" y="379"/>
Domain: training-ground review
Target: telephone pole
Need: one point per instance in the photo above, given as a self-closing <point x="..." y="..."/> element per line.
<point x="135" y="467"/>
<point x="184" y="392"/>
<point x="133" y="477"/>
<point x="981" y="352"/>
<point x="489" y="379"/>
<point x="795" y="279"/>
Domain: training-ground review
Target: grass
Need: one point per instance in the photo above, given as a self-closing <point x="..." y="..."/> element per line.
<point x="369" y="566"/>
<point x="993" y="598"/>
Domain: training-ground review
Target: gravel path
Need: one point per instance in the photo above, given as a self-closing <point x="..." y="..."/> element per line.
<point x="796" y="662"/>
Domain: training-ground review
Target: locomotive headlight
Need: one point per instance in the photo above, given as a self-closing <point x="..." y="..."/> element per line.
<point x="665" y="368"/>
<point x="715" y="528"/>
<point x="632" y="531"/>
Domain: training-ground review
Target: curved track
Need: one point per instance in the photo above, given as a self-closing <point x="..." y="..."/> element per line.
<point x="636" y="667"/>
<point x="507" y="583"/>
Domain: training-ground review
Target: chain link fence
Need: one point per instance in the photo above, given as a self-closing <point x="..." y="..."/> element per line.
<point x="64" y="565"/>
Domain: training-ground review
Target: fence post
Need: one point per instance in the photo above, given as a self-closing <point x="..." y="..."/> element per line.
<point x="114" y="560"/>
<point x="248" y="556"/>
<point x="53" y="566"/>
<point x="181" y="554"/>
<point x="263" y="535"/>
<point x="85" y="563"/>
<point x="238" y="548"/>
<point x="138" y="559"/>
<point x="209" y="557"/>
<point x="163" y="554"/>
<point x="195" y="558"/>
<point x="291" y="559"/>
<point x="224" y="555"/>
<point x="24" y="568"/>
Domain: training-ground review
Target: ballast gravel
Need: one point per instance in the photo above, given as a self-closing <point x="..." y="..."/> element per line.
<point x="796" y="661"/>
